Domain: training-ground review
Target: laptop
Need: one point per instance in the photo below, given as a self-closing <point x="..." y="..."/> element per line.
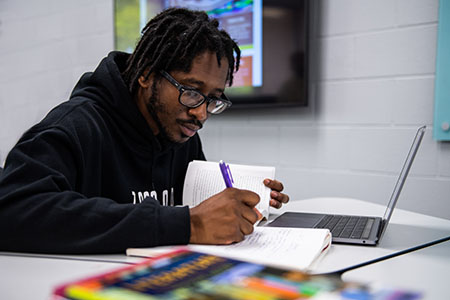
<point x="352" y="229"/>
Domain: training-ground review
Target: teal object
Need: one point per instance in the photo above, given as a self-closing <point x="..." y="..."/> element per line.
<point x="441" y="126"/>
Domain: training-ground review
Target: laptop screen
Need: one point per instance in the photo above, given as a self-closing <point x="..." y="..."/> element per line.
<point x="402" y="177"/>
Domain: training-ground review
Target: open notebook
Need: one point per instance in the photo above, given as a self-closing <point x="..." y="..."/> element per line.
<point x="204" y="179"/>
<point x="290" y="248"/>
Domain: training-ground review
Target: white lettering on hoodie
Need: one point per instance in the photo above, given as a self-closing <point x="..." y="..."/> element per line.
<point x="138" y="197"/>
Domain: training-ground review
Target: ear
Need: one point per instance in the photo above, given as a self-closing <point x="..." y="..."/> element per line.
<point x="145" y="82"/>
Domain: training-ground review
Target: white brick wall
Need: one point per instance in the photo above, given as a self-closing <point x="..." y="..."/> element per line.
<point x="373" y="67"/>
<point x="45" y="46"/>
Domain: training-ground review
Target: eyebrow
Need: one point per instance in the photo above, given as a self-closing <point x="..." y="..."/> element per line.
<point x="200" y="83"/>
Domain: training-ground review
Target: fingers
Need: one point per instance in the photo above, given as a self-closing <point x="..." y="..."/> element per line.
<point x="249" y="198"/>
<point x="277" y="198"/>
<point x="275" y="203"/>
<point x="224" y="218"/>
<point x="246" y="228"/>
<point x="260" y="216"/>
<point x="280" y="197"/>
<point x="251" y="214"/>
<point x="273" y="184"/>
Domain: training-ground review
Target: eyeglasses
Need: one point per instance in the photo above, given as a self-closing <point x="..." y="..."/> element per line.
<point x="193" y="98"/>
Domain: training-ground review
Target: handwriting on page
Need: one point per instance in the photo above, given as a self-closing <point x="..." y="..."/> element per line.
<point x="269" y="243"/>
<point x="207" y="183"/>
<point x="299" y="247"/>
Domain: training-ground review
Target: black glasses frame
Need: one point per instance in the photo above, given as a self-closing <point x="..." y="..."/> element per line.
<point x="182" y="88"/>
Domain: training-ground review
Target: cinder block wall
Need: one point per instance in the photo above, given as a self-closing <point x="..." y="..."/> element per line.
<point x="45" y="46"/>
<point x="373" y="69"/>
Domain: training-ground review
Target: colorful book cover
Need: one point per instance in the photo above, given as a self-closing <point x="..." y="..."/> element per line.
<point x="184" y="274"/>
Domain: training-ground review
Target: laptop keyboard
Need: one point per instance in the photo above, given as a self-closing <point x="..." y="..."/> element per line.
<point x="352" y="227"/>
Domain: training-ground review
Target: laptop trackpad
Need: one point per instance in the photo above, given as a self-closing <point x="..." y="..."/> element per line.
<point x="292" y="219"/>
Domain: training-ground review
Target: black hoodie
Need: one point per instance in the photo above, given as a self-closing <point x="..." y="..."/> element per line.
<point x="92" y="178"/>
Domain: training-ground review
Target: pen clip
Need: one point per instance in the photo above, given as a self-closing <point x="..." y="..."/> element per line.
<point x="229" y="172"/>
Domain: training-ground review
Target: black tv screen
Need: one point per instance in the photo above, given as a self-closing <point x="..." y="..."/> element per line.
<point x="272" y="36"/>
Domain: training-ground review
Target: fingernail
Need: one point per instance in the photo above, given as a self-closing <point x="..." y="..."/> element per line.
<point x="257" y="213"/>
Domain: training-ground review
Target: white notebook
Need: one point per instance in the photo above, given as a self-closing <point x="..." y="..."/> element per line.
<point x="204" y="179"/>
<point x="289" y="248"/>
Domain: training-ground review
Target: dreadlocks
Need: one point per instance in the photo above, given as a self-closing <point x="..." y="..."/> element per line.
<point x="171" y="41"/>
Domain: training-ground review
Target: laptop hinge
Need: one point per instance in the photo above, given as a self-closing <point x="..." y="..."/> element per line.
<point x="381" y="229"/>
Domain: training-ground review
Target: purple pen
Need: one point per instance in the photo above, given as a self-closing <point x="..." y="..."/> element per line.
<point x="226" y="174"/>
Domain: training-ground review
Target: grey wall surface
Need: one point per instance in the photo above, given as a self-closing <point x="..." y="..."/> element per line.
<point x="373" y="70"/>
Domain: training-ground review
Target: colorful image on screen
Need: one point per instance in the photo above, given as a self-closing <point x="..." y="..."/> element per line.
<point x="242" y="19"/>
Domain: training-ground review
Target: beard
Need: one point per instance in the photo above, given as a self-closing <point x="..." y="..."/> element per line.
<point x="156" y="108"/>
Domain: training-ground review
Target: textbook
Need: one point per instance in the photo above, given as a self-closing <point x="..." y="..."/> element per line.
<point x="291" y="248"/>
<point x="184" y="274"/>
<point x="204" y="179"/>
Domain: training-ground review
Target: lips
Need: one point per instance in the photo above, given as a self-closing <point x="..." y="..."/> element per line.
<point x="189" y="129"/>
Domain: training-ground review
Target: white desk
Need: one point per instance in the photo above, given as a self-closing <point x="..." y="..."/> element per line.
<point x="40" y="274"/>
<point x="405" y="230"/>
<point x="36" y="277"/>
<point x="426" y="271"/>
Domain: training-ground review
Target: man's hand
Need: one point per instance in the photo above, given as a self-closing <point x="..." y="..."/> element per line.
<point x="278" y="198"/>
<point x="224" y="218"/>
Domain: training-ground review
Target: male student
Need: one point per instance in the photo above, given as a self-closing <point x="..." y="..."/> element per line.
<point x="105" y="170"/>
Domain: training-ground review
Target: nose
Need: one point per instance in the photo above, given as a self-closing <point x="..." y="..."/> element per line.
<point x="200" y="112"/>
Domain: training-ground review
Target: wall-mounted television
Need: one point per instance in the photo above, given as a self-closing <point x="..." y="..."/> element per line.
<point x="272" y="35"/>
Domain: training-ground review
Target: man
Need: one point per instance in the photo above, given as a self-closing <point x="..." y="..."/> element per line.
<point x="104" y="171"/>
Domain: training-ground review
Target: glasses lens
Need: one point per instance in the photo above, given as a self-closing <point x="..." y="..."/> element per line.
<point x="191" y="98"/>
<point x="217" y="106"/>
